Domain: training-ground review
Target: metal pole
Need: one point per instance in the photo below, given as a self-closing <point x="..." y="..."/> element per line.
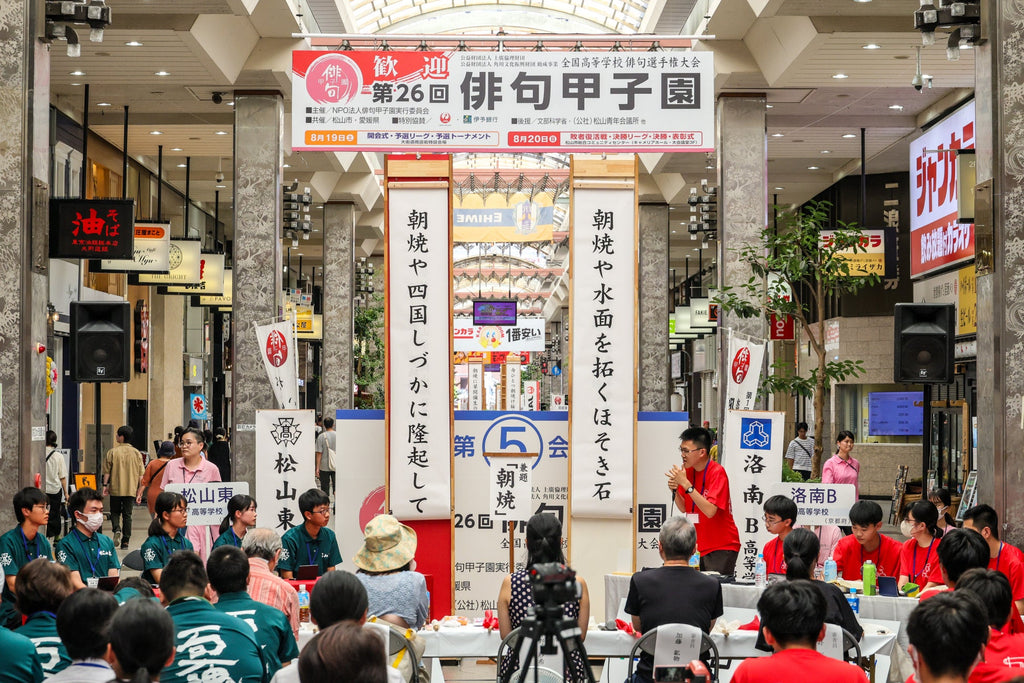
<point x="188" y="190"/>
<point x="124" y="157"/>
<point x="97" y="416"/>
<point x="85" y="141"/>
<point x="863" y="181"/>
<point x="159" y="180"/>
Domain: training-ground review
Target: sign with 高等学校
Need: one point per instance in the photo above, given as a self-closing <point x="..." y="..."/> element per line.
<point x="818" y="504"/>
<point x="208" y="503"/>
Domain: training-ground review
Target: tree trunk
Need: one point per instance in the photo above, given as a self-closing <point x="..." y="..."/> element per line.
<point x="819" y="417"/>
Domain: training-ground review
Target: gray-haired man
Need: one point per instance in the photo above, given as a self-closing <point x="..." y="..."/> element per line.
<point x="263" y="548"/>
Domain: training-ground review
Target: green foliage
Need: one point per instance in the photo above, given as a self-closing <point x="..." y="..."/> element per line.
<point x="790" y="475"/>
<point x="368" y="353"/>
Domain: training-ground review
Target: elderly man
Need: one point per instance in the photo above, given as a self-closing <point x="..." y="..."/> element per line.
<point x="263" y="548"/>
<point x="673" y="593"/>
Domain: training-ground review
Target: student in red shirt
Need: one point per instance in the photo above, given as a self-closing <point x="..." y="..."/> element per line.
<point x="947" y="637"/>
<point x="1004" y="654"/>
<point x="919" y="561"/>
<point x="866" y="543"/>
<point x="1003" y="557"/>
<point x="779" y="518"/>
<point x="701" y="491"/>
<point x="792" y="622"/>
<point x="959" y="552"/>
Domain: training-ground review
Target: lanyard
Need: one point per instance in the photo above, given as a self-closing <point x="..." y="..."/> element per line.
<point x="925" y="565"/>
<point x="85" y="551"/>
<point x="999" y="554"/>
<point x="309" y="553"/>
<point x="779" y="559"/>
<point x="703" y="484"/>
<point x="238" y="542"/>
<point x="184" y="470"/>
<point x="24" y="541"/>
<point x="174" y="542"/>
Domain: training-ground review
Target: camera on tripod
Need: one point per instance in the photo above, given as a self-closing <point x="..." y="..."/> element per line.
<point x="695" y="671"/>
<point x="553" y="583"/>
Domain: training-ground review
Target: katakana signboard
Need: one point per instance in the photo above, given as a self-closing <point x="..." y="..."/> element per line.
<point x="511" y="101"/>
<point x="92" y="228"/>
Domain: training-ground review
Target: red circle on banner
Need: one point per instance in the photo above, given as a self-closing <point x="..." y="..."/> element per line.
<point x="333" y="78"/>
<point x="372" y="506"/>
<point x="740" y="365"/>
<point x="277" y="348"/>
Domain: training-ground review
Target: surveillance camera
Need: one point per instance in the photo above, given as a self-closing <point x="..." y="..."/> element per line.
<point x="220" y="177"/>
<point x="918" y="82"/>
<point x="217" y="98"/>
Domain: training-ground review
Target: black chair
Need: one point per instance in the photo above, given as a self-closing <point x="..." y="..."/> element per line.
<point x="397" y="642"/>
<point x="544" y="674"/>
<point x="133" y="560"/>
<point x="648" y="640"/>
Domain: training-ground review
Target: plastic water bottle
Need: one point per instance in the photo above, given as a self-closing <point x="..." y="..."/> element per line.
<point x="831" y="571"/>
<point x="854" y="601"/>
<point x="695" y="560"/>
<point x="303" y="604"/>
<point x="760" y="572"/>
<point x="868" y="573"/>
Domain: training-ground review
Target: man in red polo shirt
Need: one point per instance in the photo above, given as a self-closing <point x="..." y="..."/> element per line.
<point x="947" y="637"/>
<point x="701" y="490"/>
<point x="866" y="543"/>
<point x="1003" y="557"/>
<point x="1004" y="654"/>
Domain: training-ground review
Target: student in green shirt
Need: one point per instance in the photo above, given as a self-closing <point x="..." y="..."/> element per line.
<point x="22" y="662"/>
<point x="228" y="569"/>
<point x="166" y="534"/>
<point x="42" y="587"/>
<point x="21" y="545"/>
<point x="141" y="641"/>
<point x="241" y="517"/>
<point x="311" y="542"/>
<point x="209" y="645"/>
<point x="86" y="552"/>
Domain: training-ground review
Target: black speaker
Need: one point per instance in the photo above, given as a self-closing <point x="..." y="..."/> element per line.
<point x="100" y="341"/>
<point x="924" y="336"/>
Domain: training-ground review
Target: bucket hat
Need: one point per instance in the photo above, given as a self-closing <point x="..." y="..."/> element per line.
<point x="387" y="545"/>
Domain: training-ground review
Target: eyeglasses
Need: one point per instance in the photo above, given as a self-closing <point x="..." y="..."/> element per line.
<point x="44" y="506"/>
<point x="323" y="512"/>
<point x="182" y="509"/>
<point x="770" y="522"/>
<point x="684" y="451"/>
<point x="190" y="443"/>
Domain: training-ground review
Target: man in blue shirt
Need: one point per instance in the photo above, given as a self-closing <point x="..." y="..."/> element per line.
<point x="208" y="645"/>
<point x="86" y="552"/>
<point x="21" y="545"/>
<point x="312" y="542"/>
<point x="228" y="569"/>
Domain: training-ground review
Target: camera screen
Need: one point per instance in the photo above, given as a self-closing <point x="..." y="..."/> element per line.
<point x="669" y="674"/>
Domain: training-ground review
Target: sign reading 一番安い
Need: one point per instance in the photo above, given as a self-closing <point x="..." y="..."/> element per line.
<point x="515" y="101"/>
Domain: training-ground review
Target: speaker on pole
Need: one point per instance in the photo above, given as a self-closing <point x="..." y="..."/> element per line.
<point x="100" y="341"/>
<point x="924" y="337"/>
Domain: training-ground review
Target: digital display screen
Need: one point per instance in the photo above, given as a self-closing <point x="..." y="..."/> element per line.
<point x="896" y="413"/>
<point x="494" y="312"/>
<point x="676" y="358"/>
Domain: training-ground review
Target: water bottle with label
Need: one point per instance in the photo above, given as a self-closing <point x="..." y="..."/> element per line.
<point x="854" y="601"/>
<point x="831" y="571"/>
<point x="869" y="574"/>
<point x="760" y="572"/>
<point x="303" y="604"/>
<point x="695" y="560"/>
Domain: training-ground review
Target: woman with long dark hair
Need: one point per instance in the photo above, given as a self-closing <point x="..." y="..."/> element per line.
<point x="240" y="518"/>
<point x="543" y="545"/>
<point x="166" y="534"/>
<point x="919" y="561"/>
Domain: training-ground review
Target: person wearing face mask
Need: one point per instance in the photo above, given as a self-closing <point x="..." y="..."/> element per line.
<point x="941" y="500"/>
<point x="919" y="562"/>
<point x="86" y="552"/>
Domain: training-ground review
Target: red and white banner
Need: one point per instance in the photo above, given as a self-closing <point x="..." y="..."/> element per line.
<point x="419" y="391"/>
<point x="531" y="395"/>
<point x="868" y="260"/>
<point x="526" y="335"/>
<point x="744" y="372"/>
<point x="278" y="350"/>
<point x="603" y="337"/>
<point x="936" y="239"/>
<point x="512" y="101"/>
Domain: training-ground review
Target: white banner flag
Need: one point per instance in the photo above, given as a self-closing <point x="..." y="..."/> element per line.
<point x="285" y="446"/>
<point x="419" y="395"/>
<point x="278" y="349"/>
<point x="475" y="386"/>
<point x="513" y="385"/>
<point x="743" y="373"/>
<point x="531" y="395"/>
<point x="603" y="339"/>
<point x="754" y="444"/>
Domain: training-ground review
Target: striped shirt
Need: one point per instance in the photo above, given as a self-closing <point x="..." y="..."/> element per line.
<point x="267" y="587"/>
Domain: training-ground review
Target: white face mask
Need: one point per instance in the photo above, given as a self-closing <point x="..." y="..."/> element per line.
<point x="906" y="528"/>
<point x="92" y="522"/>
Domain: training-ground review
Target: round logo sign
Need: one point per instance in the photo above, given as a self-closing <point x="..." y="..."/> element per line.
<point x="277" y="348"/>
<point x="333" y="78"/>
<point x="740" y="365"/>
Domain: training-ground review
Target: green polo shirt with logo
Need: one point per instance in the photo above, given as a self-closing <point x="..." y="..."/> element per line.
<point x="22" y="662"/>
<point x="41" y="629"/>
<point x="299" y="548"/>
<point x="210" y="645"/>
<point x="15" y="552"/>
<point x="271" y="625"/>
<point x="157" y="551"/>
<point x="91" y="556"/>
<point x="229" y="537"/>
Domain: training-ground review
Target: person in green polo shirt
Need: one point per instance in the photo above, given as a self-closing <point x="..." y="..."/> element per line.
<point x="241" y="517"/>
<point x="312" y="542"/>
<point x="22" y="662"/>
<point x="228" y="569"/>
<point x="41" y="589"/>
<point x="86" y="552"/>
<point x="166" y="534"/>
<point x="21" y="545"/>
<point x="209" y="645"/>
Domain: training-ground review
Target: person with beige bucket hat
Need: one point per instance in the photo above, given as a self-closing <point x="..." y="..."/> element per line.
<point x="397" y="594"/>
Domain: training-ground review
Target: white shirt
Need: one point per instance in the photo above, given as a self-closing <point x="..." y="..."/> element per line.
<point x="56" y="469"/>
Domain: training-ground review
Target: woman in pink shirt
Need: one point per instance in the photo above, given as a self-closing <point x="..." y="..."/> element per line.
<point x="193" y="468"/>
<point x="842" y="468"/>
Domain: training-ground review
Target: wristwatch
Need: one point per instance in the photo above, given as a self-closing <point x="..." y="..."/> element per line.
<point x="689" y="490"/>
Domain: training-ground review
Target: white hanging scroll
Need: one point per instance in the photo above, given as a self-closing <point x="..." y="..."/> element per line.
<point x="284" y="465"/>
<point x="513" y="385"/>
<point x="744" y="372"/>
<point x="278" y="349"/>
<point x="475" y="385"/>
<point x="419" y="400"/>
<point x="511" y="488"/>
<point x="603" y="338"/>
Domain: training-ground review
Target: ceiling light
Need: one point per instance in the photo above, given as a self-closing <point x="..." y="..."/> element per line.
<point x="826" y="151"/>
<point x="287" y="166"/>
<point x="176" y="149"/>
<point x="155" y="132"/>
<point x="222" y="132"/>
<point x="780" y="188"/>
<point x="133" y="43"/>
<point x="76" y="84"/>
<point x="162" y="73"/>
<point x="103" y="104"/>
<point x="182" y="166"/>
<point x="778" y="135"/>
<point x="812" y="168"/>
<point x="872" y="46"/>
<point x="77" y="73"/>
<point x="220" y="186"/>
<point x="896" y="107"/>
<point x="232" y="103"/>
<point x="839" y="76"/>
<point x="772" y="106"/>
<point x="862" y="0"/>
<point x="849" y="135"/>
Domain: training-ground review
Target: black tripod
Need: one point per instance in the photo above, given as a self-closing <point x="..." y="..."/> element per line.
<point x="547" y="622"/>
